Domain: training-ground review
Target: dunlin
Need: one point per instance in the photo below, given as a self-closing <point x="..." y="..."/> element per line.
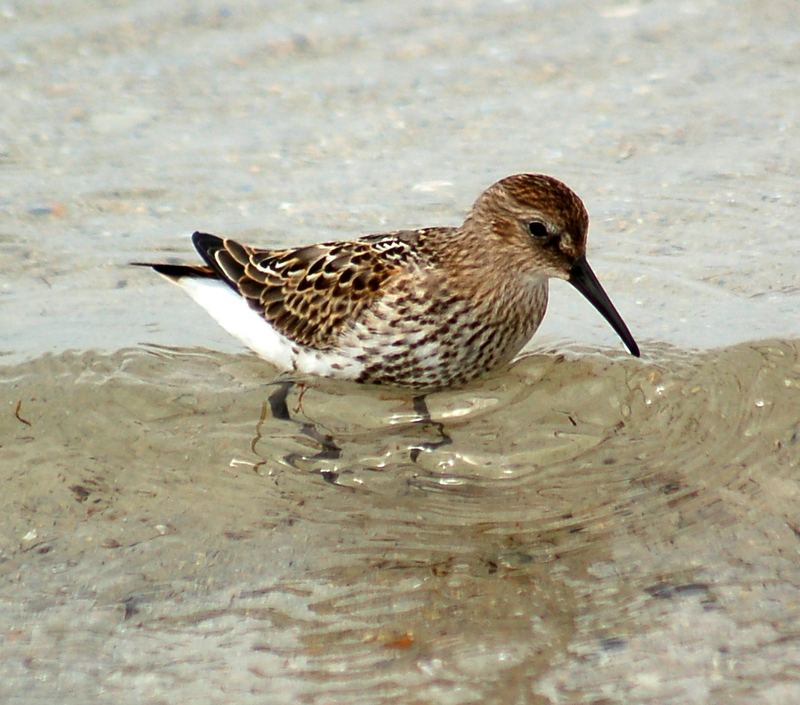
<point x="417" y="308"/>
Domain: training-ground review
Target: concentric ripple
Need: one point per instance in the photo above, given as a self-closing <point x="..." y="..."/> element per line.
<point x="356" y="544"/>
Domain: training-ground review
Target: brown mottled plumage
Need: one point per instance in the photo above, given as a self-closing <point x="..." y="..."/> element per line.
<point x="419" y="308"/>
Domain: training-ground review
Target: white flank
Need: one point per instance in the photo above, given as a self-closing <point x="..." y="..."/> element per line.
<point x="233" y="313"/>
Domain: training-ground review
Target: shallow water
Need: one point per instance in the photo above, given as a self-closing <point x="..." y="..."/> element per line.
<point x="574" y="524"/>
<point x="583" y="527"/>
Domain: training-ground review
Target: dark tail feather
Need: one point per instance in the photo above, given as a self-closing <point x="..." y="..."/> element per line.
<point x="207" y="245"/>
<point x="178" y="271"/>
<point x="220" y="255"/>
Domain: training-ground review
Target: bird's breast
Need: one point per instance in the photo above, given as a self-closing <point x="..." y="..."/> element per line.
<point x="436" y="337"/>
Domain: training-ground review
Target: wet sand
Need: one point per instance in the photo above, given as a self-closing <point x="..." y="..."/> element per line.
<point x="583" y="527"/>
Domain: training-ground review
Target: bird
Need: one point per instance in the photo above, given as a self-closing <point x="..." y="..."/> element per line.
<point x="427" y="308"/>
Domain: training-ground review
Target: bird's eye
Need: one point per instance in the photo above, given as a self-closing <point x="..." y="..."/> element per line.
<point x="538" y="229"/>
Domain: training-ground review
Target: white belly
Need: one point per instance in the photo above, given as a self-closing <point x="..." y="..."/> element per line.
<point x="233" y="313"/>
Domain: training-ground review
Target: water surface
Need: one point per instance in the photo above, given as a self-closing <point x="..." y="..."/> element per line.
<point x="574" y="522"/>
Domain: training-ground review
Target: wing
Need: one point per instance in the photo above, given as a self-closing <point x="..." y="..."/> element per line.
<point x="308" y="294"/>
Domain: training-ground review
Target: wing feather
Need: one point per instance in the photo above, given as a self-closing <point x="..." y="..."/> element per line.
<point x="312" y="293"/>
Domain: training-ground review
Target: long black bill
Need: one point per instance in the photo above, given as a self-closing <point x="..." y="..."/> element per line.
<point x="583" y="279"/>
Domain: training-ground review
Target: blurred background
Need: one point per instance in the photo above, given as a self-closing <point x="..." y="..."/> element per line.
<point x="582" y="528"/>
<point x="130" y="125"/>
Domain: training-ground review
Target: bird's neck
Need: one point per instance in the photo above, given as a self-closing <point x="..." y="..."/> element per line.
<point x="489" y="277"/>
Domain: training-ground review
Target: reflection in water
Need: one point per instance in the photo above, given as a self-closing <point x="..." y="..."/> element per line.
<point x="329" y="450"/>
<point x="567" y="528"/>
<point x="583" y="494"/>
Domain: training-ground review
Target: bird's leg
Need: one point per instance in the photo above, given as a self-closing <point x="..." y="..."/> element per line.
<point x="277" y="401"/>
<point x="279" y="409"/>
<point x="421" y="408"/>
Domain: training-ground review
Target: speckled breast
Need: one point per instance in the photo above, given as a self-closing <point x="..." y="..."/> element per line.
<point x="434" y="341"/>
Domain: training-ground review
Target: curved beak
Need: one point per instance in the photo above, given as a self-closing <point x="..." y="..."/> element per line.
<point x="583" y="279"/>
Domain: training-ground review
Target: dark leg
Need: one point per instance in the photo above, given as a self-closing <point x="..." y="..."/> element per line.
<point x="279" y="409"/>
<point x="277" y="401"/>
<point x="421" y="408"/>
